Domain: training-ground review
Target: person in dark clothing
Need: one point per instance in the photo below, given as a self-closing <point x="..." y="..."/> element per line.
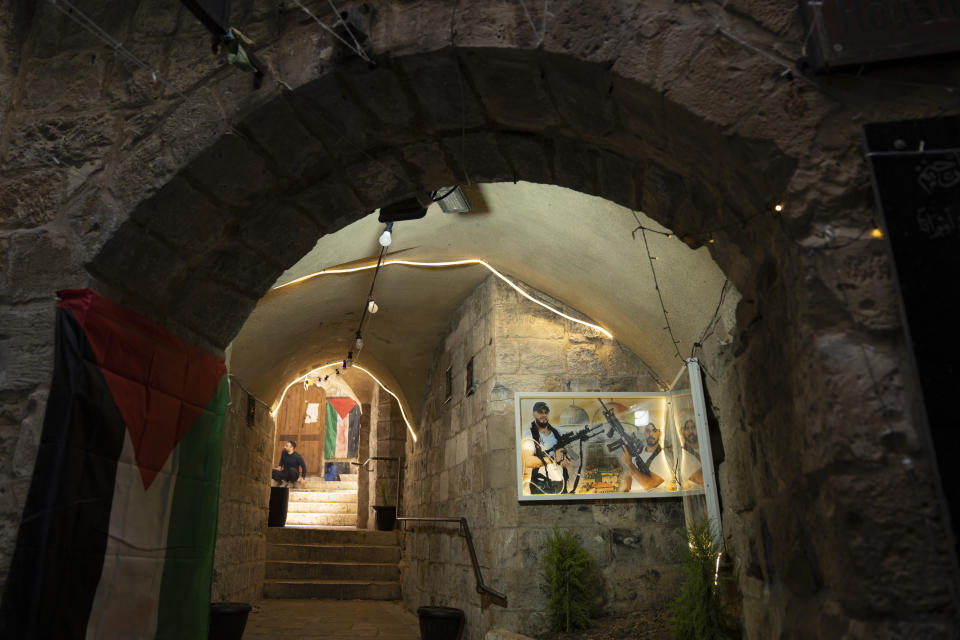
<point x="292" y="468"/>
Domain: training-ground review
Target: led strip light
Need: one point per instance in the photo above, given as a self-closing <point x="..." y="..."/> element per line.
<point x="452" y="263"/>
<point x="403" y="413"/>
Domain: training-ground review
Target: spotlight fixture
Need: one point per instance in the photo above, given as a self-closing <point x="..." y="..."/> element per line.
<point x="372" y="306"/>
<point x="452" y="199"/>
<point x="387" y="236"/>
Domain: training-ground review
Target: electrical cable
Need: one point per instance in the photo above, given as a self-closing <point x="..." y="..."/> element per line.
<point x="656" y="285"/>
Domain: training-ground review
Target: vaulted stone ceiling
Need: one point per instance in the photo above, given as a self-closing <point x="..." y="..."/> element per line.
<point x="572" y="247"/>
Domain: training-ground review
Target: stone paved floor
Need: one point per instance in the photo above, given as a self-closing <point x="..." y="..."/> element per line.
<point x="331" y="620"/>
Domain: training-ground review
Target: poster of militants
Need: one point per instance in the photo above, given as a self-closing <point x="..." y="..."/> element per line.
<point x="609" y="445"/>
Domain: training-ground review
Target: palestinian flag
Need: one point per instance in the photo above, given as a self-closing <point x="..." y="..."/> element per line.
<point x="118" y="531"/>
<point x="342" y="437"/>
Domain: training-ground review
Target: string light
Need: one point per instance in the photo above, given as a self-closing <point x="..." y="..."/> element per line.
<point x="656" y="285"/>
<point x="778" y="207"/>
<point x="403" y="413"/>
<point x="877" y="233"/>
<point x="450" y="263"/>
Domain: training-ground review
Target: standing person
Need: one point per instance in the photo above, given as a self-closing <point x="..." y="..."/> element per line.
<point x="691" y="470"/>
<point x="292" y="468"/>
<point x="651" y="455"/>
<point x="547" y="464"/>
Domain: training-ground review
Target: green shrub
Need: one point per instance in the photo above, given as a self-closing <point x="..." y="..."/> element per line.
<point x="573" y="582"/>
<point x="698" y="612"/>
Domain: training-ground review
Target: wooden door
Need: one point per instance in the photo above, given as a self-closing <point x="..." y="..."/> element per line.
<point x="300" y="419"/>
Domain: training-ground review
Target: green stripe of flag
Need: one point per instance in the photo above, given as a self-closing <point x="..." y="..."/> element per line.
<point x="330" y="435"/>
<point x="184" y="609"/>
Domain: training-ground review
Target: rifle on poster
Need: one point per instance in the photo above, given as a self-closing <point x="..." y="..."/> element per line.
<point x="566" y="439"/>
<point x="631" y="443"/>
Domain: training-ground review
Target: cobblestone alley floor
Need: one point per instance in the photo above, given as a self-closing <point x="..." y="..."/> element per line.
<point x="331" y="620"/>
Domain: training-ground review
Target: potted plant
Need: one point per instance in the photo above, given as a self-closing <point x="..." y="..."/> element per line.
<point x="385" y="516"/>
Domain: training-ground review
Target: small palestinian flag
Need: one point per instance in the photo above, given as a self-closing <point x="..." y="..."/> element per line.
<point x="342" y="437"/>
<point x="118" y="531"/>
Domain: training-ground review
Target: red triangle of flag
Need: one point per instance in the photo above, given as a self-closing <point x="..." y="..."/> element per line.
<point x="160" y="383"/>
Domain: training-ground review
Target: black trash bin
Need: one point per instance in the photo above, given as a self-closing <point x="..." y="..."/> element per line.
<point x="279" y="497"/>
<point x="440" y="623"/>
<point x="227" y="620"/>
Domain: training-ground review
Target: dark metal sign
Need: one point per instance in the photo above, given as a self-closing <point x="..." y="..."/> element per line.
<point x="845" y="32"/>
<point x="916" y="176"/>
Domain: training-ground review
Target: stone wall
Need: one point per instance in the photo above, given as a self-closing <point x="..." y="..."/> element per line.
<point x="241" y="549"/>
<point x="465" y="465"/>
<point x="692" y="111"/>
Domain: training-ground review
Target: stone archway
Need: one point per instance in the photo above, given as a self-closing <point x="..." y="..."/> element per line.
<point x="658" y="108"/>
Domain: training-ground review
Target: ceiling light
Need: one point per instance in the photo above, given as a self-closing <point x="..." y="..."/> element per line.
<point x="452" y="199"/>
<point x="372" y="306"/>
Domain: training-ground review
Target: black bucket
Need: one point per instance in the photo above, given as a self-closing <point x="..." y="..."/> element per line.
<point x="279" y="497"/>
<point x="440" y="623"/>
<point x="227" y="620"/>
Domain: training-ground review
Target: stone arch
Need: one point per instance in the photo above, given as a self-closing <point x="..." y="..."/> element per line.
<point x="637" y="104"/>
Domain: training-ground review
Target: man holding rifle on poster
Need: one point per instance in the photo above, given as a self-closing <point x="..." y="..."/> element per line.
<point x="642" y="460"/>
<point x="545" y="454"/>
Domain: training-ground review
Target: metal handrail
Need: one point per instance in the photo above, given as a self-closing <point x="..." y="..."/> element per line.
<point x="365" y="466"/>
<point x="464" y="530"/>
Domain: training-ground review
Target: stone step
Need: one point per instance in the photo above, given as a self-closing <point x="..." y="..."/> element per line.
<point x="322" y="519"/>
<point x="283" y="535"/>
<point x="333" y="552"/>
<point x="332" y="589"/>
<point x="304" y="570"/>
<point x="323" y="496"/>
<point x="318" y="484"/>
<point x="322" y="507"/>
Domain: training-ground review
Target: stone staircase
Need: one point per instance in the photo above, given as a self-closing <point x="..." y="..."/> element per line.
<point x="332" y="564"/>
<point x="317" y="503"/>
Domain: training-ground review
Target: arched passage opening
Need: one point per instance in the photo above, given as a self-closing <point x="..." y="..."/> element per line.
<point x="682" y="123"/>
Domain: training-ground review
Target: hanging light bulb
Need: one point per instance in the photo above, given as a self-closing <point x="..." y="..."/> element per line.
<point x="306" y="383"/>
<point x="349" y="361"/>
<point x="358" y="343"/>
<point x="387" y="236"/>
<point x="372" y="306"/>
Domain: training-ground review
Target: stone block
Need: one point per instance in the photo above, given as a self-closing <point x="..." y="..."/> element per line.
<point x="724" y="82"/>
<point x="575" y="166"/>
<point x="212" y="310"/>
<point x="596" y="30"/>
<point x="127" y="84"/>
<point x="475" y="157"/>
<point x="380" y="181"/>
<point x="194" y="62"/>
<point x="581" y="93"/>
<point x="582" y="359"/>
<point x="619" y="179"/>
<point x="64" y="139"/>
<point x="528" y="155"/>
<point x="68" y="82"/>
<point x="383" y="93"/>
<point x="503" y="634"/>
<point x="661" y="53"/>
<point x="541" y="356"/>
<point x="30" y="198"/>
<point x="280" y="231"/>
<point x="156" y="264"/>
<point x="154" y="17"/>
<point x="26" y="346"/>
<point x="346" y="129"/>
<point x="430" y="165"/>
<point x="444" y="96"/>
<point x="512" y="89"/>
<point x="183" y="217"/>
<point x="38" y="263"/>
<point x="500" y="25"/>
<point x="232" y="171"/>
<point x="526" y="321"/>
<point x="331" y="203"/>
<point x="291" y="147"/>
